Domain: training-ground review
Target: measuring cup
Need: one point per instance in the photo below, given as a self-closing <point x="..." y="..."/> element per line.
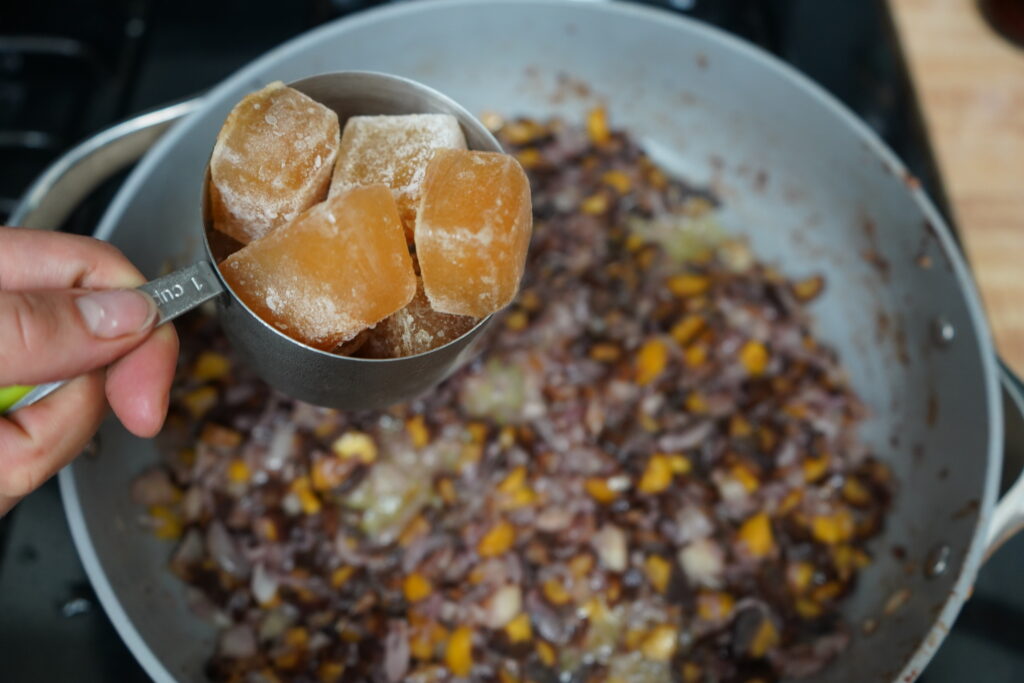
<point x="298" y="370"/>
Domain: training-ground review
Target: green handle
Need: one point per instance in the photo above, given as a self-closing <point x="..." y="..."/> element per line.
<point x="11" y="395"/>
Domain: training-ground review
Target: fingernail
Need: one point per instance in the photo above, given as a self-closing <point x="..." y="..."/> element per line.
<point x="117" y="312"/>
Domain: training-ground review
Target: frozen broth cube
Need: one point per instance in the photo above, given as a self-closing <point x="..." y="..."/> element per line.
<point x="473" y="231"/>
<point x="272" y="161"/>
<point x="337" y="269"/>
<point x="414" y="329"/>
<point x="394" y="150"/>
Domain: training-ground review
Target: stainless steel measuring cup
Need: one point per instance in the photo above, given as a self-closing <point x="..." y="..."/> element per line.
<point x="292" y="367"/>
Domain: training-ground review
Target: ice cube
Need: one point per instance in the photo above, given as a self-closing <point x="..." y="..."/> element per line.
<point x="394" y="150"/>
<point x="337" y="269"/>
<point x="472" y="231"/>
<point x="272" y="161"/>
<point x="414" y="329"/>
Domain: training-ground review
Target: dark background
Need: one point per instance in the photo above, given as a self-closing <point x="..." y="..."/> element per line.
<point x="68" y="69"/>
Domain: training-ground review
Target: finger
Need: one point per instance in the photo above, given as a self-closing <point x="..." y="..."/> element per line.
<point x="35" y="442"/>
<point x="31" y="259"/>
<point x="52" y="335"/>
<point x="138" y="385"/>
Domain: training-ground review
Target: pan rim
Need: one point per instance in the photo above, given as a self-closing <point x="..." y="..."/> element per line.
<point x="931" y="639"/>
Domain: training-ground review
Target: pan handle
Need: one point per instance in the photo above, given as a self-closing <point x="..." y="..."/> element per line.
<point x="1008" y="516"/>
<point x="83" y="168"/>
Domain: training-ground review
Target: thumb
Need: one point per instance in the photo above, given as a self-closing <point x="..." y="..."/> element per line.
<point x="53" y="335"/>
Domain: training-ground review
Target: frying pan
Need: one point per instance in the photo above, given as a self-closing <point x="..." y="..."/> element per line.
<point x="810" y="186"/>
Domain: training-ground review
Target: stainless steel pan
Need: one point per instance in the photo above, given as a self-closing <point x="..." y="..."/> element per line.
<point x="806" y="181"/>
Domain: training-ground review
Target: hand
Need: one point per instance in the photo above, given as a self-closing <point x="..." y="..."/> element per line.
<point x="68" y="309"/>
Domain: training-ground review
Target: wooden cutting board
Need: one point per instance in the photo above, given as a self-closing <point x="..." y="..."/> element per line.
<point x="970" y="83"/>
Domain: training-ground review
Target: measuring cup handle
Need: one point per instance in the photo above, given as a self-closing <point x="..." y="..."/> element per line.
<point x="181" y="291"/>
<point x="175" y="294"/>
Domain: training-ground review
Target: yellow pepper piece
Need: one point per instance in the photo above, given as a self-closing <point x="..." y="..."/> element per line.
<point x="744" y="475"/>
<point x="546" y="653"/>
<point x="521" y="498"/>
<point x="695" y="356"/>
<point x="200" y="401"/>
<point x="523" y="131"/>
<point x="555" y="592"/>
<point x="356" y="445"/>
<point x="651" y="361"/>
<point x="416" y="587"/>
<point x="507" y="437"/>
<point x="635" y="242"/>
<point x="756" y="535"/>
<point x="458" y="655"/>
<point x="657" y="476"/>
<point x="497" y="541"/>
<point x="827" y="591"/>
<point x="754" y="357"/>
<point x="266" y="528"/>
<point x="605" y="353"/>
<point x="595" y="204"/>
<point x="765" y="638"/>
<point x="808" y="609"/>
<point x="529" y="157"/>
<point x="618" y="180"/>
<point x="296" y="636"/>
<point x="714" y="605"/>
<point x="855" y="492"/>
<point x="791" y="500"/>
<point x="416" y="427"/>
<point x="658" y="571"/>
<point x="815" y="468"/>
<point x="805" y="290"/>
<point x="680" y="463"/>
<point x="516" y="321"/>
<point x="739" y="427"/>
<point x="834" y="528"/>
<point x="302" y="489"/>
<point x="695" y="403"/>
<point x="688" y="284"/>
<point x="287" y="660"/>
<point x="211" y="365"/>
<point x="477" y="432"/>
<point x="446" y="489"/>
<point x="421" y="647"/>
<point x="238" y="471"/>
<point x="597" y="126"/>
<point x="341" y="575"/>
<point x="470" y="455"/>
<point x="515" y="481"/>
<point x="519" y="630"/>
<point x="581" y="565"/>
<point x="168" y="524"/>
<point x="799" y="575"/>
<point x="687" y="329"/>
<point x="328" y="672"/>
<point x="660" y="643"/>
<point x="216" y="435"/>
<point x="657" y="178"/>
<point x="692" y="673"/>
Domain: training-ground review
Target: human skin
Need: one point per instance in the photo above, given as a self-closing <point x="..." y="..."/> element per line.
<point x="68" y="309"/>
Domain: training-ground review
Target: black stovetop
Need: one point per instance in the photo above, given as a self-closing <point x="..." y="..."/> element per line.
<point x="69" y="68"/>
